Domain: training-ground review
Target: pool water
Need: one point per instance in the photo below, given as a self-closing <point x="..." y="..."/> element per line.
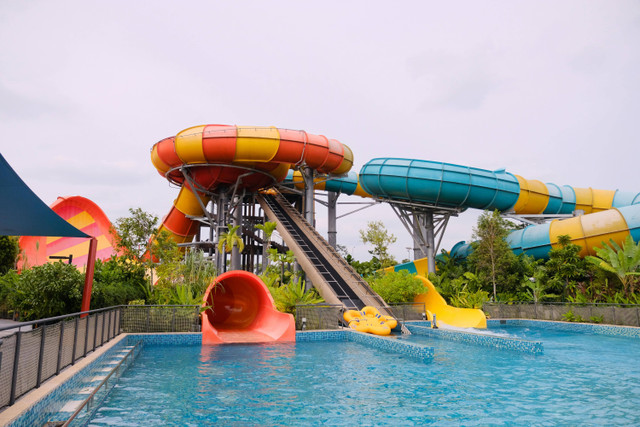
<point x="581" y="379"/>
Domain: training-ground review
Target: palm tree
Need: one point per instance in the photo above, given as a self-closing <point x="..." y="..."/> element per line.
<point x="267" y="230"/>
<point x="230" y="239"/>
<point x="622" y="261"/>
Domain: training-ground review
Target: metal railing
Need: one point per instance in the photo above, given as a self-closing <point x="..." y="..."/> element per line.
<point x="612" y="314"/>
<point x="38" y="350"/>
<point x="28" y="357"/>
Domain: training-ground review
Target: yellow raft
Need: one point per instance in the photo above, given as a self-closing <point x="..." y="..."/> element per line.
<point x="370" y="320"/>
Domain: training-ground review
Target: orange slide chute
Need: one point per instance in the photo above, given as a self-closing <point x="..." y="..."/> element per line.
<point x="221" y="155"/>
<point x="242" y="311"/>
<point x="83" y="214"/>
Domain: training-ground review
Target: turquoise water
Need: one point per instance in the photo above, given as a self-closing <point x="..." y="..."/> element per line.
<point x="580" y="380"/>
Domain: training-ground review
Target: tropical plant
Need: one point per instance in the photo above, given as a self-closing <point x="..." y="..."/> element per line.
<point x="565" y="267"/>
<point x="267" y="230"/>
<point x="286" y="297"/>
<point x="623" y="261"/>
<point x="280" y="266"/>
<point x="230" y="238"/>
<point x="397" y="286"/>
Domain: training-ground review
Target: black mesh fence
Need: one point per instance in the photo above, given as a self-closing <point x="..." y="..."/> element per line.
<point x="628" y="315"/>
<point x="408" y="311"/>
<point x="330" y="316"/>
<point x="36" y="351"/>
<point x="160" y="318"/>
<point x="318" y="316"/>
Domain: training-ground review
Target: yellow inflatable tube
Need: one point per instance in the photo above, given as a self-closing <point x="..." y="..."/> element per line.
<point x="453" y="316"/>
<point x="370" y="320"/>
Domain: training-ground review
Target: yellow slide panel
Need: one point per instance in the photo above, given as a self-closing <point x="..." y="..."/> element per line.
<point x="534" y="196"/>
<point x="360" y="191"/>
<point x="588" y="231"/>
<point x="187" y="202"/>
<point x="257" y="144"/>
<point x="188" y="144"/>
<point x="452" y="316"/>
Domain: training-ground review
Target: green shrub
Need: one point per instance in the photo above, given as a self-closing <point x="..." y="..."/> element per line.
<point x="47" y="290"/>
<point x="9" y="251"/>
<point x="116" y="282"/>
<point x="397" y="286"/>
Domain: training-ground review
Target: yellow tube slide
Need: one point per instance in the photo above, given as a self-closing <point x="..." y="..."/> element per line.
<point x="452" y="316"/>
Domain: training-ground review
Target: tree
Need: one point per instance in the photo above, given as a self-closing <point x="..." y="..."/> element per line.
<point x="565" y="267"/>
<point x="491" y="254"/>
<point x="377" y="235"/>
<point x="267" y="230"/>
<point x="133" y="233"/>
<point x="228" y="240"/>
<point x="9" y="251"/>
<point x="623" y="261"/>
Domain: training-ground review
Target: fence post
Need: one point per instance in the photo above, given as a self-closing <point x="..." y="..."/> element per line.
<point x="43" y="328"/>
<point x="173" y="319"/>
<point x="75" y="341"/>
<point x="16" y="360"/>
<point x="148" y="318"/>
<point x="109" y="327"/>
<point x="60" y="347"/>
<point x="95" y="331"/>
<point x="102" y="330"/>
<point x="86" y="335"/>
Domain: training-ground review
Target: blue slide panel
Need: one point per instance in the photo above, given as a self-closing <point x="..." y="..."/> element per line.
<point x="344" y="184"/>
<point x="441" y="184"/>
<point x="535" y="241"/>
<point x="631" y="215"/>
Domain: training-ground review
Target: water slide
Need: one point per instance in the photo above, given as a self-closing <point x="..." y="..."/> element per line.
<point x="241" y="310"/>
<point x="434" y="303"/>
<point x="83" y="214"/>
<point x="210" y="157"/>
<point x="215" y="156"/>
<point x="608" y="214"/>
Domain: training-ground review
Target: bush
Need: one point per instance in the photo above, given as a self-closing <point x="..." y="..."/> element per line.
<point x="397" y="286"/>
<point x="116" y="282"/>
<point x="9" y="251"/>
<point x="47" y="290"/>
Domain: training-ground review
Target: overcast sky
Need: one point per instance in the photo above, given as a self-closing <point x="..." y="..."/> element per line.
<point x="546" y="89"/>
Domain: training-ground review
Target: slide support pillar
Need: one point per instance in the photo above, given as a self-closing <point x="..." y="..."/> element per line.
<point x="221" y="225"/>
<point x="307" y="174"/>
<point x="332" y="228"/>
<point x="430" y="240"/>
<point x="237" y="220"/>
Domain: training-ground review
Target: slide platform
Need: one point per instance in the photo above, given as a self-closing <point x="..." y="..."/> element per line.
<point x="242" y="311"/>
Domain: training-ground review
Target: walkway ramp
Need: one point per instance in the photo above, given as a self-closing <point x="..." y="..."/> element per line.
<point x="336" y="281"/>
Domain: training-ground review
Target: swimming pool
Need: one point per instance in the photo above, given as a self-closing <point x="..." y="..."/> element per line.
<point x="580" y="379"/>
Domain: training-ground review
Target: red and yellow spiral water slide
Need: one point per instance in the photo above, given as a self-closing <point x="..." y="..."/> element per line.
<point x="206" y="158"/>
